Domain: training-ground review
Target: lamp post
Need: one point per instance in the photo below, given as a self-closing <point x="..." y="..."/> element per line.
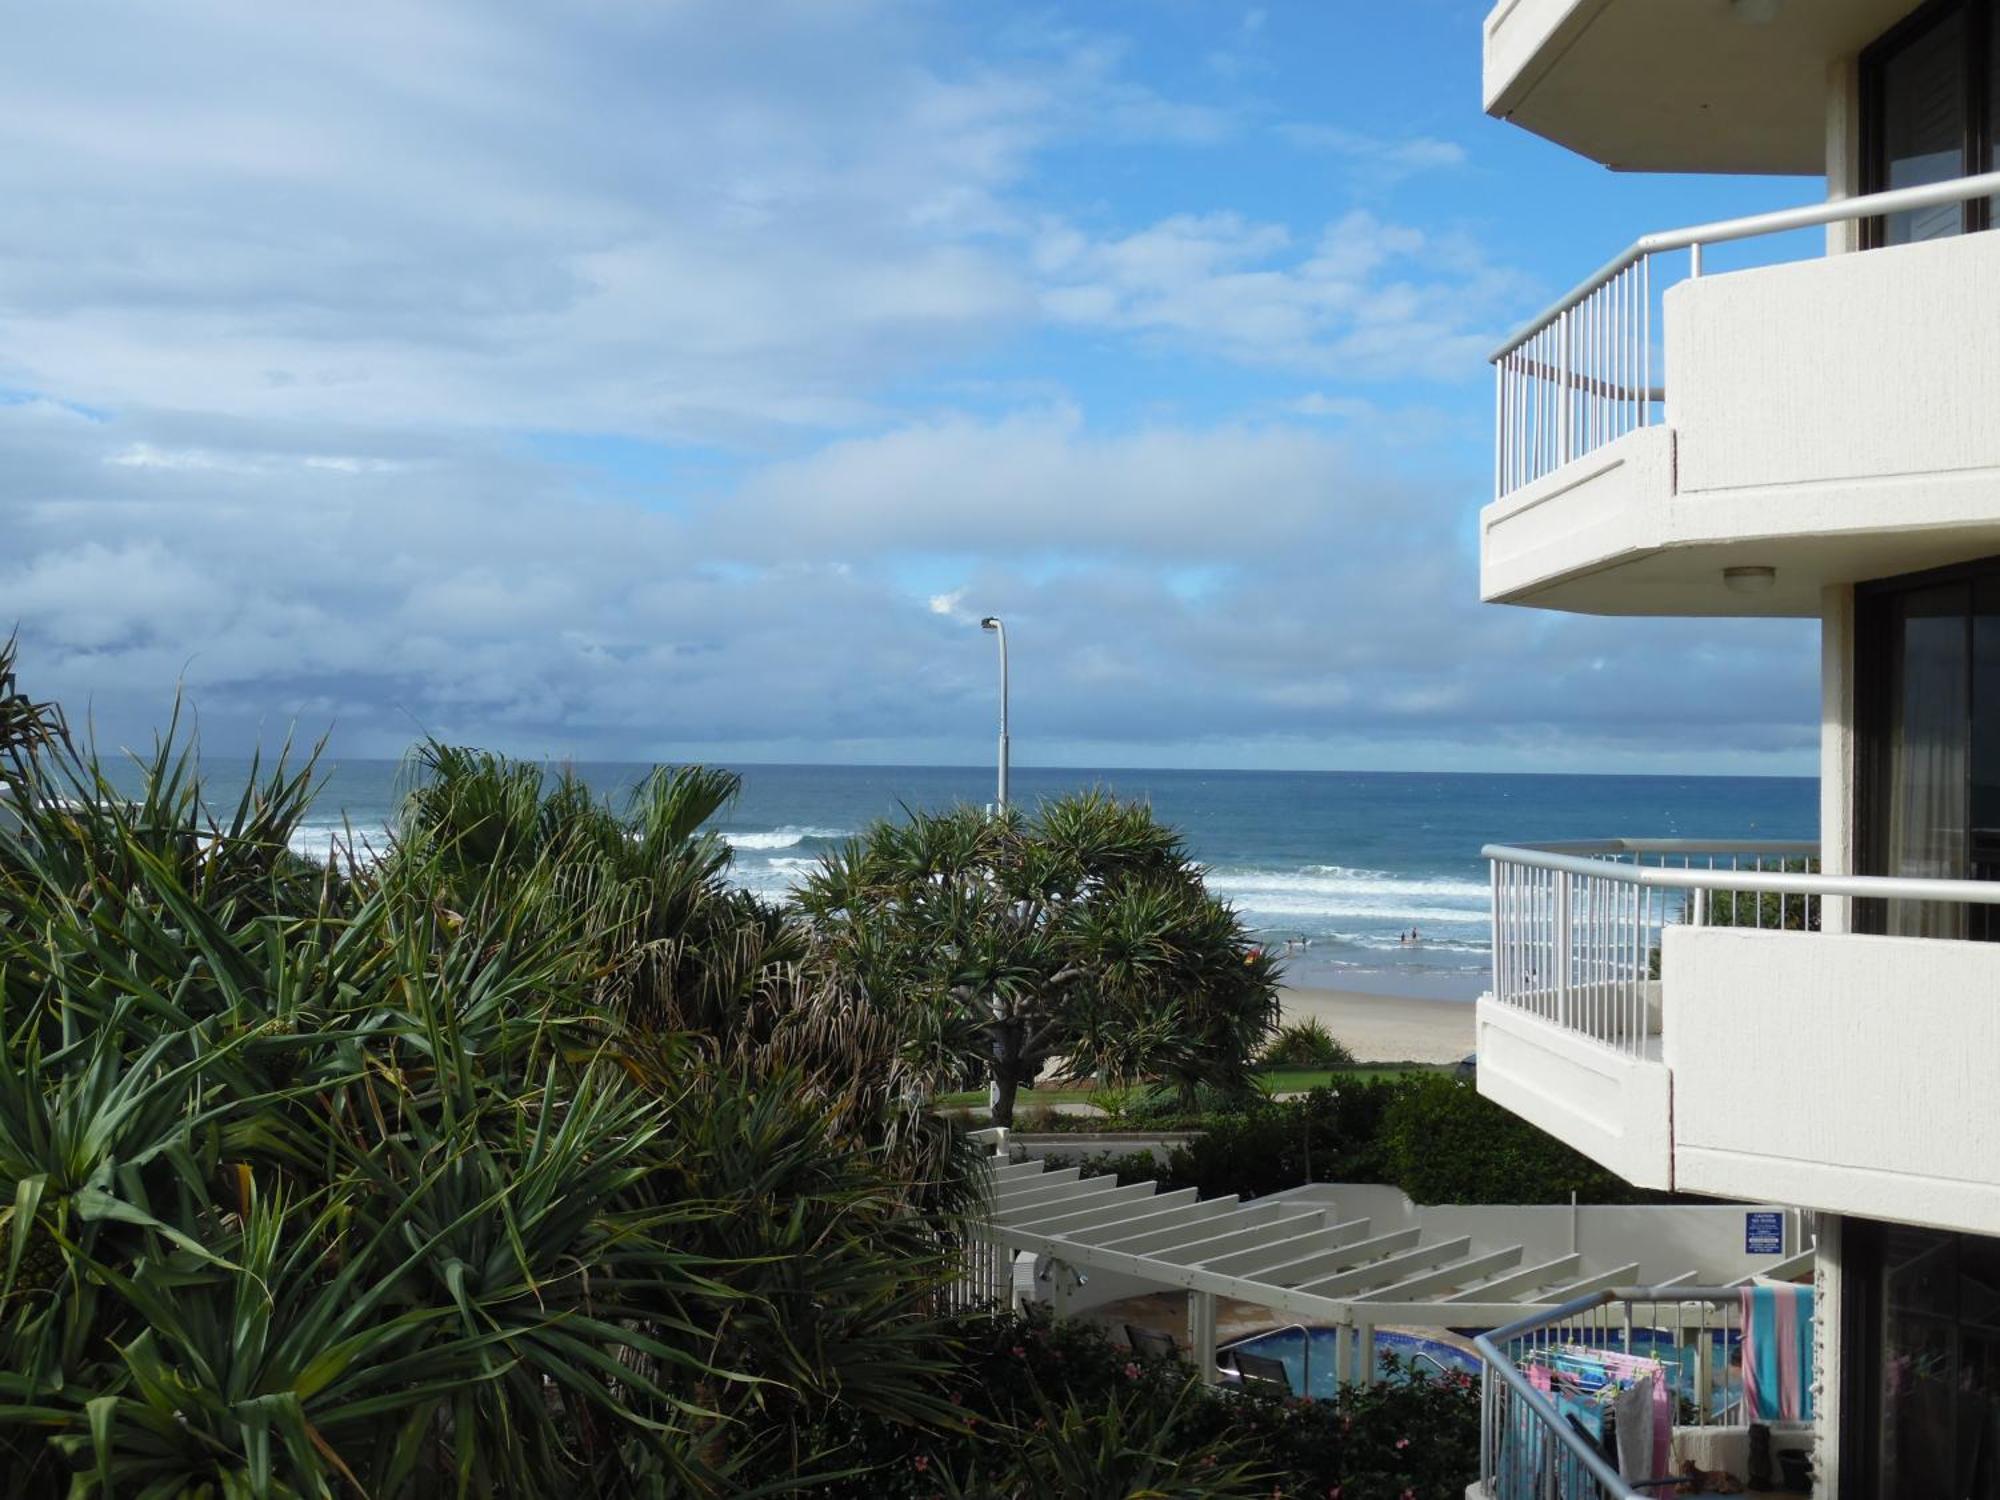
<point x="992" y="623"/>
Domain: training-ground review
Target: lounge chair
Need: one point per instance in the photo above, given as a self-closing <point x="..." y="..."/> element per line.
<point x="1261" y="1367"/>
<point x="1149" y="1344"/>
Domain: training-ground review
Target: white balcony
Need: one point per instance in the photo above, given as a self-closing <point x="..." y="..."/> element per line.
<point x="1826" y="419"/>
<point x="1676" y="1012"/>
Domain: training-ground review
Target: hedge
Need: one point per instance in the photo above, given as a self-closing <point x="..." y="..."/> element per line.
<point x="1437" y="1139"/>
<point x="1058" y="1411"/>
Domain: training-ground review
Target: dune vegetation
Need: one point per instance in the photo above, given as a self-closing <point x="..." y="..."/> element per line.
<point x="519" y="1156"/>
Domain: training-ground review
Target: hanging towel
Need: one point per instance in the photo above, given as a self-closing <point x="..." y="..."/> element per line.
<point x="1634" y="1410"/>
<point x="1615" y="1366"/>
<point x="1777" y="1352"/>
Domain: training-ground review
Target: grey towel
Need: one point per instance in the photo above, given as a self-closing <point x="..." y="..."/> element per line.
<point x="1634" y="1411"/>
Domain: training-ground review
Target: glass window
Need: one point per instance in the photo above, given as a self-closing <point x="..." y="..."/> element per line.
<point x="1992" y="102"/>
<point x="1930" y="734"/>
<point x="1938" y="1382"/>
<point x="1922" y="100"/>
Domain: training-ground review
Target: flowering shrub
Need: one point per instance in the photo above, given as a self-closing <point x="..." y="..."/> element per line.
<point x="1058" y="1410"/>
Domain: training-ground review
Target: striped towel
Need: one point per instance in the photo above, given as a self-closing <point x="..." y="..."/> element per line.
<point x="1777" y="1352"/>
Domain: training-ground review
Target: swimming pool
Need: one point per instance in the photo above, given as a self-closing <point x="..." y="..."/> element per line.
<point x="1312" y="1370"/>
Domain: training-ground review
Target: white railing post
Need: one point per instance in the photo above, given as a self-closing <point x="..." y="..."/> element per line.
<point x="1566" y="398"/>
<point x="1560" y="941"/>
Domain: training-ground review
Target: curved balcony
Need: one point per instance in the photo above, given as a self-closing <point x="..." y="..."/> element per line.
<point x="1821" y="421"/>
<point x="1696" y="1016"/>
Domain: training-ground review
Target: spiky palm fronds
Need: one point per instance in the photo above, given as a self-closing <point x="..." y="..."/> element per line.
<point x="1083" y="931"/>
<point x="390" y="1181"/>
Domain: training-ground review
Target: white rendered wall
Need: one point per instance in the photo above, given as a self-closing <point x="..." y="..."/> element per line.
<point x="1850" y="1073"/>
<point x="1836" y="378"/>
<point x="1663" y="1241"/>
<point x="1614" y="1108"/>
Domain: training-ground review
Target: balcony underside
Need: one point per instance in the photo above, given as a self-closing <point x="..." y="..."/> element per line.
<point x="1613" y="1106"/>
<point x="1829" y="419"/>
<point x="1676" y="85"/>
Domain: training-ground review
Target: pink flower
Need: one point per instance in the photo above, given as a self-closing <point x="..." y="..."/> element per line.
<point x="1131" y="1370"/>
<point x="921" y="1462"/>
<point x="1401" y="1444"/>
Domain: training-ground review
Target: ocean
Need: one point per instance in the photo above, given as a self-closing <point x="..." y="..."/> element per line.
<point x="1337" y="864"/>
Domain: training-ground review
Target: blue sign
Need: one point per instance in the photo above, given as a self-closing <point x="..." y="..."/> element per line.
<point x="1763" y="1234"/>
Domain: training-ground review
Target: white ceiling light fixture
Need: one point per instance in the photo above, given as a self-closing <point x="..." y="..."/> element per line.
<point x="1749" y="580"/>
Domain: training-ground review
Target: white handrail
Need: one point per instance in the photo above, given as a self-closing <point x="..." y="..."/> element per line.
<point x="1750" y="226"/>
<point x="1565" y="858"/>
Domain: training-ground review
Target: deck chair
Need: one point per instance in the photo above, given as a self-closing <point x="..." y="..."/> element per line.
<point x="1261" y="1367"/>
<point x="1149" y="1344"/>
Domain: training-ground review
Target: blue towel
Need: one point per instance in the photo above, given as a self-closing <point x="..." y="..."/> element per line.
<point x="1777" y="1352"/>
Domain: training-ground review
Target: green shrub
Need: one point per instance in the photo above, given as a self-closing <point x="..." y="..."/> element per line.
<point x="1305" y="1044"/>
<point x="1059" y="1411"/>
<point x="1331" y="1135"/>
<point x="1444" y="1143"/>
<point x="1428" y="1134"/>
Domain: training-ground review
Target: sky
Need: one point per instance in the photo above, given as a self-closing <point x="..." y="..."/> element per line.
<point x="683" y="379"/>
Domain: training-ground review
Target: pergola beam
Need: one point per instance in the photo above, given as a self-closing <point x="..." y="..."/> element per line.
<point x="1089" y="1187"/>
<point x="1457" y="1274"/>
<point x="1527" y="1279"/>
<point x="1385" y="1272"/>
<point x="1281" y="1252"/>
<point x="1108" y="1208"/>
<point x="1354" y="1253"/>
<point x="1011" y="1188"/>
<point x="1199" y="1252"/>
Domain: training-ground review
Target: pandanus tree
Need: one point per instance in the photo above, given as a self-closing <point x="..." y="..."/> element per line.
<point x="1083" y="932"/>
<point x="520" y="1159"/>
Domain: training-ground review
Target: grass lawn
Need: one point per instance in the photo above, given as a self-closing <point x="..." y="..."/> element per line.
<point x="1272" y="1080"/>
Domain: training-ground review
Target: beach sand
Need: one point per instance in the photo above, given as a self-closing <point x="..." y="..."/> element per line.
<point x="1386" y="1028"/>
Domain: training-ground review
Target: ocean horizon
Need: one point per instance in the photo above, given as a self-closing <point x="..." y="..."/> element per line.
<point x="1338" y="865"/>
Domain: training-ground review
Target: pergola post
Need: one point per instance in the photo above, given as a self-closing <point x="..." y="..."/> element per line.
<point x="1201" y="1334"/>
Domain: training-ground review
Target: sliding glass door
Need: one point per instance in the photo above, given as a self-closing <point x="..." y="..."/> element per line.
<point x="1931" y="113"/>
<point x="1928" y="661"/>
<point x="1921" y="1363"/>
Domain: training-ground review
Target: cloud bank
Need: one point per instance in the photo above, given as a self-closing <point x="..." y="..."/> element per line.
<point x="638" y="380"/>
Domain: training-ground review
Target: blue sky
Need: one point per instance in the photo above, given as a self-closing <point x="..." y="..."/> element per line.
<point x="684" y="379"/>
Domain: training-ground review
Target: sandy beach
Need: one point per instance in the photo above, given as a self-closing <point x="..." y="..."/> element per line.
<point x="1386" y="1028"/>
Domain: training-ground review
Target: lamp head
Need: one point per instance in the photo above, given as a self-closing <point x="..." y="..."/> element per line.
<point x="991" y="622"/>
<point x="1750" y="580"/>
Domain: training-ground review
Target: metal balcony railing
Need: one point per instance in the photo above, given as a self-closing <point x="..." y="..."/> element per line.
<point x="1537" y="1406"/>
<point x="1587" y="370"/>
<point x="1577" y="927"/>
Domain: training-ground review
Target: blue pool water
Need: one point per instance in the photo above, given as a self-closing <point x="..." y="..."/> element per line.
<point x="1313" y="1375"/>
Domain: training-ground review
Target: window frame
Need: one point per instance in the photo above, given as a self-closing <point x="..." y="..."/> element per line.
<point x="1976" y="147"/>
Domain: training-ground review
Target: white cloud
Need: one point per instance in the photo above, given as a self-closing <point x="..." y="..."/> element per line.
<point x="1367" y="299"/>
<point x="300" y="295"/>
<point x="1379" y="160"/>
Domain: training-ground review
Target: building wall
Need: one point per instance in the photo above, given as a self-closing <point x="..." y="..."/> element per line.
<point x="1851" y="1073"/>
<point x="1822" y="383"/>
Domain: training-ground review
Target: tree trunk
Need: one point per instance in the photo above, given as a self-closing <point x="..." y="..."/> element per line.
<point x="1006" y="1085"/>
<point x="1008" y="1037"/>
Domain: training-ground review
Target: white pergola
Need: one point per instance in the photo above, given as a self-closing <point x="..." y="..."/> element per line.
<point x="1295" y="1257"/>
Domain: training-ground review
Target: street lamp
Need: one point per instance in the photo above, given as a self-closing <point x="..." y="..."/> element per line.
<point x="992" y="623"/>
